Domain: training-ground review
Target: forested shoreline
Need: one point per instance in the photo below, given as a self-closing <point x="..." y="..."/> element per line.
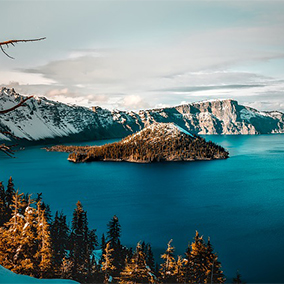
<point x="156" y="143"/>
<point x="33" y="242"/>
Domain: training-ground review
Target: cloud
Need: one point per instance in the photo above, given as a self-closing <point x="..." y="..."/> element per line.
<point x="132" y="102"/>
<point x="195" y="64"/>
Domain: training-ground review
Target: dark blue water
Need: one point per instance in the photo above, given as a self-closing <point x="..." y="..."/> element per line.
<point x="238" y="202"/>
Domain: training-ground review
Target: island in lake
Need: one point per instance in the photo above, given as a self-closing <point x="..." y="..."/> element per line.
<point x="155" y="143"/>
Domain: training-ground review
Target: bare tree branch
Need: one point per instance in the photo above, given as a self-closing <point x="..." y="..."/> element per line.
<point x="16" y="106"/>
<point x="13" y="41"/>
<point x="8" y="149"/>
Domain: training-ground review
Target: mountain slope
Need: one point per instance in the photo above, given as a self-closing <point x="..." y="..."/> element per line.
<point x="7" y="276"/>
<point x="155" y="143"/>
<point x="43" y="119"/>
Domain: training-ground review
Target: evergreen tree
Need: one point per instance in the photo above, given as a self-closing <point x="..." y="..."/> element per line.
<point x="150" y="257"/>
<point x="103" y="243"/>
<point x="114" y="231"/>
<point x="29" y="243"/>
<point x="3" y="207"/>
<point x="59" y="233"/>
<point x="10" y="192"/>
<point x="167" y="270"/>
<point x="83" y="242"/>
<point x="11" y="235"/>
<point x="197" y="261"/>
<point x="45" y="208"/>
<point x="136" y="269"/>
<point x="113" y="238"/>
<point x="187" y="268"/>
<point x="107" y="263"/>
<point x="237" y="279"/>
<point x="179" y="270"/>
<point x="214" y="272"/>
<point x="44" y="253"/>
<point x="66" y="268"/>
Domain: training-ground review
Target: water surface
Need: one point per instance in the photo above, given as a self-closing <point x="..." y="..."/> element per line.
<point x="238" y="202"/>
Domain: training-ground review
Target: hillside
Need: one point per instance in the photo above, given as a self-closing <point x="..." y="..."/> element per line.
<point x="7" y="276"/>
<point x="45" y="121"/>
<point x="155" y="143"/>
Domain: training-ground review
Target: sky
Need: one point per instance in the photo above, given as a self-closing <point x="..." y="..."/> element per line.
<point x="132" y="55"/>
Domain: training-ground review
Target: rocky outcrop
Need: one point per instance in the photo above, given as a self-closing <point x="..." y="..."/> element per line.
<point x="45" y="120"/>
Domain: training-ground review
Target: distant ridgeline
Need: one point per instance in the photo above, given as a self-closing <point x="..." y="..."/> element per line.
<point x="155" y="143"/>
<point x="42" y="121"/>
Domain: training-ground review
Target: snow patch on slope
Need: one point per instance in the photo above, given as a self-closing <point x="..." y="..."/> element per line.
<point x="165" y="130"/>
<point x="7" y="276"/>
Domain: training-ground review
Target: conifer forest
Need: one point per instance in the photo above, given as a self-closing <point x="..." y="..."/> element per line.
<point x="35" y="242"/>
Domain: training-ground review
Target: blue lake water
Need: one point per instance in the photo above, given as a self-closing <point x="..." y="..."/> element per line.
<point x="238" y="202"/>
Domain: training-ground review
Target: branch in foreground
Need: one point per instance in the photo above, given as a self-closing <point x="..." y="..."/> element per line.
<point x="7" y="149"/>
<point x="13" y="41"/>
<point x="16" y="106"/>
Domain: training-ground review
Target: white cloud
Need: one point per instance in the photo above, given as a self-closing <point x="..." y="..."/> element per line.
<point x="132" y="102"/>
<point x="186" y="65"/>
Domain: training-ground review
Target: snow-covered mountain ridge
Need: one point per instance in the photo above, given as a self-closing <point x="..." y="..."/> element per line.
<point x="42" y="119"/>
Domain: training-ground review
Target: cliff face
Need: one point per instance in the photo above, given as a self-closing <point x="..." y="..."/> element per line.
<point x="43" y="119"/>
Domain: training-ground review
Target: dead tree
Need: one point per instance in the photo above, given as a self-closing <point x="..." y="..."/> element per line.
<point x="13" y="41"/>
<point x="8" y="149"/>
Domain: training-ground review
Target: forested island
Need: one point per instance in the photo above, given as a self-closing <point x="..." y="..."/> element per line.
<point x="155" y="143"/>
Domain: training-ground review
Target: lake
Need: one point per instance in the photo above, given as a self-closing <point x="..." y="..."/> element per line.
<point x="238" y="202"/>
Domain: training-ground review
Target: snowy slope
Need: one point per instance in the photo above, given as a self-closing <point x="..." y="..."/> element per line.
<point x="156" y="131"/>
<point x="42" y="119"/>
<point x="7" y="276"/>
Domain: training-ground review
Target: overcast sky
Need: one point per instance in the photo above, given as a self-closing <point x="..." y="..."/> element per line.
<point x="133" y="55"/>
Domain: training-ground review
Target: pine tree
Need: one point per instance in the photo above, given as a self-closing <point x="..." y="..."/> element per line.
<point x="29" y="243"/>
<point x="103" y="243"/>
<point x="214" y="272"/>
<point x="3" y="207"/>
<point x="136" y="269"/>
<point x="10" y="192"/>
<point x="197" y="261"/>
<point x="113" y="238"/>
<point x="11" y="235"/>
<point x="167" y="270"/>
<point x="179" y="270"/>
<point x="59" y="233"/>
<point x="187" y="268"/>
<point x="237" y="279"/>
<point x="44" y="253"/>
<point x="82" y="242"/>
<point x="107" y="263"/>
<point x="150" y="257"/>
<point x="45" y="208"/>
<point x="66" y="268"/>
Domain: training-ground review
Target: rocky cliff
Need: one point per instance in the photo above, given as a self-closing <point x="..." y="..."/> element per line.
<point x="45" y="120"/>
